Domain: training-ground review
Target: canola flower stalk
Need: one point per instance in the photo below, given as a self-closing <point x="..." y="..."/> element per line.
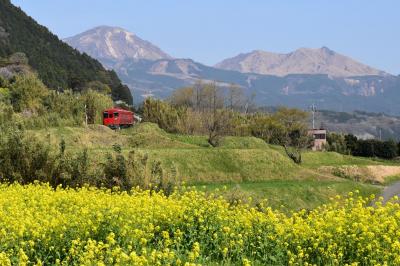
<point x="89" y="226"/>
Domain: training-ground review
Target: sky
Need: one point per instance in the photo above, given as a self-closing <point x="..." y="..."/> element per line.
<point x="209" y="31"/>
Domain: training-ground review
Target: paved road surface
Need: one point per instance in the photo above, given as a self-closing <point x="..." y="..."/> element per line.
<point x="391" y="191"/>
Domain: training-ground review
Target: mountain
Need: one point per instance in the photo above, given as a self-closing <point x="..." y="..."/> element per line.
<point x="370" y="90"/>
<point x="160" y="77"/>
<point x="111" y="45"/>
<point x="57" y="64"/>
<point x="301" y="61"/>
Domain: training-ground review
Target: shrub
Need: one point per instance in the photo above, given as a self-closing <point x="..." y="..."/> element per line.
<point x="136" y="171"/>
<point x="337" y="143"/>
<point x="27" y="93"/>
<point x="23" y="158"/>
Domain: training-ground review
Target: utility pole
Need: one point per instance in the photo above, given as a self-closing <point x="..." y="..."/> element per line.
<point x="313" y="110"/>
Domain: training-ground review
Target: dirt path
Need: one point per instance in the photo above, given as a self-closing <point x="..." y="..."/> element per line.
<point x="391" y="191"/>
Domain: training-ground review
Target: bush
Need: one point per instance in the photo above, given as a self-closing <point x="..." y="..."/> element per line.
<point x="337" y="143"/>
<point x="23" y="158"/>
<point x="27" y="93"/>
<point x="163" y="114"/>
<point x="136" y="171"/>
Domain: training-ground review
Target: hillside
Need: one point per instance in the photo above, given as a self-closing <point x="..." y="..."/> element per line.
<point x="301" y="61"/>
<point x="246" y="166"/>
<point x="58" y="65"/>
<point x="364" y="125"/>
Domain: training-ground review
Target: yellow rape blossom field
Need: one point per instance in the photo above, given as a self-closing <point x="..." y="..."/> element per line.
<point x="88" y="226"/>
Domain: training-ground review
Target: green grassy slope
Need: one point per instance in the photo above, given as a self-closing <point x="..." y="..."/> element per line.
<point x="238" y="159"/>
<point x="247" y="166"/>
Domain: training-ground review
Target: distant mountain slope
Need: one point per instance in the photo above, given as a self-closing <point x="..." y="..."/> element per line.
<point x="114" y="44"/>
<point x="364" y="125"/>
<point x="159" y="77"/>
<point x="301" y="61"/>
<point x="368" y="93"/>
<point x="58" y="65"/>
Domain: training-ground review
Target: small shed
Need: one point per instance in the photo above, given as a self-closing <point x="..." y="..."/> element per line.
<point x="319" y="139"/>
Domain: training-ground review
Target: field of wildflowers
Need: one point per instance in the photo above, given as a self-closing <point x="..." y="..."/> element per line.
<point x="88" y="226"/>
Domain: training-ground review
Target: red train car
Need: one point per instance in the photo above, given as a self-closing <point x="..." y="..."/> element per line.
<point x="118" y="118"/>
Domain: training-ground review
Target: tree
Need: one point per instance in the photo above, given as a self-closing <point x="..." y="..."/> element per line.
<point x="27" y="93"/>
<point x="215" y="117"/>
<point x="267" y="127"/>
<point x="67" y="104"/>
<point x="198" y="94"/>
<point x="165" y="115"/>
<point x="235" y="97"/>
<point x="95" y="104"/>
<point x="18" y="59"/>
<point x="295" y="137"/>
<point x="351" y="143"/>
<point x="183" y="97"/>
<point x="337" y="143"/>
<point x="249" y="103"/>
<point x="99" y="87"/>
<point x="376" y="148"/>
<point x="217" y="124"/>
<point x="57" y="64"/>
<point x="387" y="149"/>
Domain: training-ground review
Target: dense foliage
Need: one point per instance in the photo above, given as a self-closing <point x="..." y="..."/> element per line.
<point x="350" y="144"/>
<point x="58" y="65"/>
<point x="26" y="101"/>
<point x="25" y="159"/>
<point x="97" y="227"/>
<point x="206" y="109"/>
<point x="376" y="148"/>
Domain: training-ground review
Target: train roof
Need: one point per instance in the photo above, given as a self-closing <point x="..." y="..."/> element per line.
<point x="116" y="109"/>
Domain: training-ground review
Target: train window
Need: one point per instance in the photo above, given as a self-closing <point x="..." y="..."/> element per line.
<point x="105" y="115"/>
<point x="116" y="114"/>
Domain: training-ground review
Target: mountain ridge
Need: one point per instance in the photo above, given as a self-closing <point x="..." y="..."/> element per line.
<point x="112" y="44"/>
<point x="160" y="77"/>
<point x="301" y="61"/>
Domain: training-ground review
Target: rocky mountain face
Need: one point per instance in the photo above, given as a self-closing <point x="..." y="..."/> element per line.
<point x="301" y="61"/>
<point x="111" y="45"/>
<point x="330" y="80"/>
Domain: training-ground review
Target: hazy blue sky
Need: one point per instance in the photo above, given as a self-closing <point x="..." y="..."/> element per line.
<point x="211" y="30"/>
